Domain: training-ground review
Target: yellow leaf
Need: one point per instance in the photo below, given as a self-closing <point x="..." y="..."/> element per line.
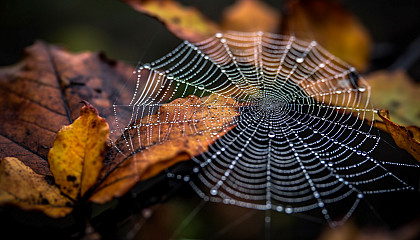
<point x="21" y="186"/>
<point x="192" y="130"/>
<point x="398" y="93"/>
<point x="185" y="22"/>
<point x="76" y="157"/>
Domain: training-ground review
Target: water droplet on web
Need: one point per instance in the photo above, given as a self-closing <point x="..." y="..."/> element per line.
<point x="271" y="134"/>
<point x="213" y="192"/>
<point x="299" y="60"/>
<point x="362" y="89"/>
<point x="321" y="65"/>
<point x="360" y="195"/>
<point x="219" y="35"/>
<point x="288" y="210"/>
<point x="200" y="87"/>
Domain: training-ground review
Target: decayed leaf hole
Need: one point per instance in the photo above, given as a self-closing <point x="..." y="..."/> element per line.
<point x="299" y="142"/>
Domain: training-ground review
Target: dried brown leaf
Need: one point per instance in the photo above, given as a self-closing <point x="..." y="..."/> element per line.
<point x="21" y="186"/>
<point x="42" y="93"/>
<point x="402" y="136"/>
<point x="180" y="130"/>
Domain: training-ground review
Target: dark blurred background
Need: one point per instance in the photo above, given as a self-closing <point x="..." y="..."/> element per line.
<point x="124" y="34"/>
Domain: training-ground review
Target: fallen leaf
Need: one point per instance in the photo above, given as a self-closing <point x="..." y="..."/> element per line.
<point x="402" y="136"/>
<point x="250" y="16"/>
<point x="42" y="93"/>
<point x="78" y="152"/>
<point x="332" y="25"/>
<point x="21" y="186"/>
<point x="75" y="161"/>
<point x="175" y="133"/>
<point x="185" y="22"/>
<point x="414" y="131"/>
<point x="326" y="21"/>
<point x="352" y="231"/>
<point x="398" y="93"/>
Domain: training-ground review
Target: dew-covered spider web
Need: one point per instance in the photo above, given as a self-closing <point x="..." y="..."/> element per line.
<point x="279" y="125"/>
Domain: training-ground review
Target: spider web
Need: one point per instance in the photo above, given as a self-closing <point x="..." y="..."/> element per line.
<point x="299" y="143"/>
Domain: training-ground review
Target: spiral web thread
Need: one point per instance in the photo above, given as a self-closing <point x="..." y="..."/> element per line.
<point x="299" y="143"/>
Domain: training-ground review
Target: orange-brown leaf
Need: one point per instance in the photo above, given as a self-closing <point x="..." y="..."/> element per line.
<point x="402" y="136"/>
<point x="185" y="22"/>
<point x="78" y="152"/>
<point x="249" y="16"/>
<point x="21" y="186"/>
<point x="180" y="130"/>
<point x="332" y="25"/>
